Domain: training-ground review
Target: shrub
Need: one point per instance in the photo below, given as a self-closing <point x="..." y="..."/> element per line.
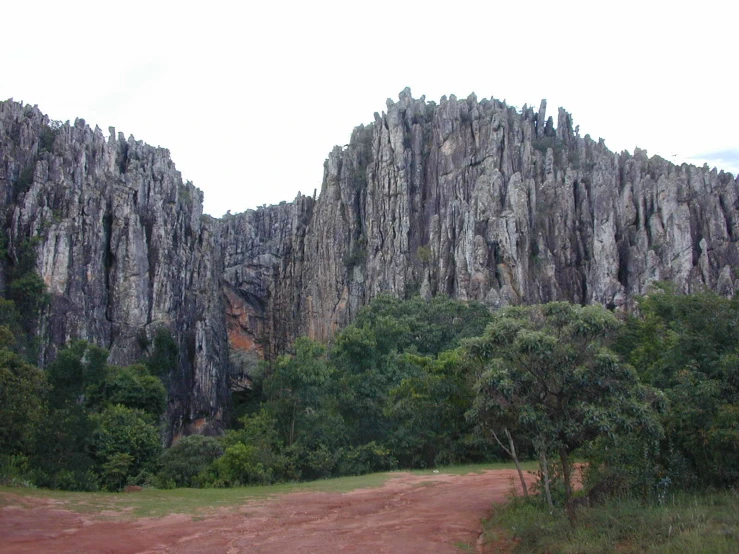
<point x="242" y="464"/>
<point x="122" y="430"/>
<point x="187" y="458"/>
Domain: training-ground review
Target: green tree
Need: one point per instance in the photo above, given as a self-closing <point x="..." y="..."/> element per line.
<point x="188" y="458"/>
<point x="23" y="389"/>
<point x="688" y="346"/>
<point x="427" y="411"/>
<point x="550" y="370"/>
<point x="164" y="357"/>
<point x="76" y="368"/>
<point x="131" y="386"/>
<point x="241" y="464"/>
<point x="122" y="430"/>
<point x="297" y="389"/>
<point x="61" y="457"/>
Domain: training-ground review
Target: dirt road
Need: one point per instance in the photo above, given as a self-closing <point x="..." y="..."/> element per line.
<point x="410" y="513"/>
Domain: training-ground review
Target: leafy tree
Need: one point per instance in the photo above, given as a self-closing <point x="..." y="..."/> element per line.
<point x="61" y="457"/>
<point x="115" y="470"/>
<point x="241" y="464"/>
<point x="189" y="457"/>
<point x="130" y="386"/>
<point x="165" y="355"/>
<point x="297" y="389"/>
<point x="427" y="411"/>
<point x="688" y="346"/>
<point x="550" y="371"/>
<point x="76" y="368"/>
<point x="23" y="389"/>
<point x="428" y="326"/>
<point x="122" y="430"/>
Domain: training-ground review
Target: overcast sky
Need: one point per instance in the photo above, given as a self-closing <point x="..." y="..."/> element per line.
<point x="251" y="96"/>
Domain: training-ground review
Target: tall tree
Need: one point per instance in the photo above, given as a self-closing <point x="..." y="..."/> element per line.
<point x="688" y="346"/>
<point x="549" y="370"/>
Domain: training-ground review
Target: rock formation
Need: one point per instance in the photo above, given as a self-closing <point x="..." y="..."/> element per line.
<point x="122" y="247"/>
<point x="469" y="198"/>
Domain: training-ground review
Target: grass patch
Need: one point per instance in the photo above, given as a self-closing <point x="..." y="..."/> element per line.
<point x="701" y="523"/>
<point x="157" y="503"/>
<point x="197" y="502"/>
<point x="474" y="468"/>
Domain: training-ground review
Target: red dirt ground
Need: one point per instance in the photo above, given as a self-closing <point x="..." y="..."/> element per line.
<point x="410" y="513"/>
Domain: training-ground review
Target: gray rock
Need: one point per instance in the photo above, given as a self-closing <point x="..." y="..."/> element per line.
<point x="467" y="198"/>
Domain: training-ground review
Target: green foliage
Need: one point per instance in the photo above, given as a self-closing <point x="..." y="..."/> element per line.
<point x="130" y="386"/>
<point x="27" y="291"/>
<point x="544" y="143"/>
<point x="427" y="413"/>
<point x="48" y="135"/>
<point x="298" y="390"/>
<point x="358" y="253"/>
<point x="15" y="471"/>
<point x="165" y="356"/>
<point x="366" y="458"/>
<point x="23" y="389"/>
<point x="243" y="464"/>
<point x="122" y="430"/>
<point x="688" y="346"/>
<point x="29" y="294"/>
<point x="707" y="523"/>
<point x="61" y="458"/>
<point x="25" y="179"/>
<point x="78" y="368"/>
<point x="429" y="327"/>
<point x="424" y="254"/>
<point x="548" y="373"/>
<point x="115" y="471"/>
<point x="187" y="459"/>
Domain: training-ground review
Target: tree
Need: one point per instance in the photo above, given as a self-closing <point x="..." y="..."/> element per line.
<point x="688" y="346"/>
<point x="23" y="389"/>
<point x="122" y="430"/>
<point x="427" y="411"/>
<point x="190" y="456"/>
<point x="297" y="387"/>
<point x="549" y="371"/>
<point x="165" y="355"/>
<point x="76" y="368"/>
<point x="131" y="386"/>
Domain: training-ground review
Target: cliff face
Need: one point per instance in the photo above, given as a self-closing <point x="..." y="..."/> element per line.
<point x="123" y="249"/>
<point x="471" y="199"/>
<point x="479" y="201"/>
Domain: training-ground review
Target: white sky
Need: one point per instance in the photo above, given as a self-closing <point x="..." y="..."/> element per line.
<point x="250" y="97"/>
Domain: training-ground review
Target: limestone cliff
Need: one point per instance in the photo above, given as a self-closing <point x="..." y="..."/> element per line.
<point x="480" y="201"/>
<point x="469" y="198"/>
<point x="122" y="247"/>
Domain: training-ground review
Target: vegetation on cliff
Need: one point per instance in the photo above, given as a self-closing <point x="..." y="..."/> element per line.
<point x="649" y="401"/>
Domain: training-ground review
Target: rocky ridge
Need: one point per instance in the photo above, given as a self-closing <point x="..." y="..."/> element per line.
<point x="469" y="198"/>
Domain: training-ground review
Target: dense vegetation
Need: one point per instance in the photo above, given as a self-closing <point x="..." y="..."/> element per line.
<point x="649" y="401"/>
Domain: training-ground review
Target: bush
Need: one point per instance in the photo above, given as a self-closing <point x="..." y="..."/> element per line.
<point x="367" y="458"/>
<point x="123" y="431"/>
<point x="187" y="459"/>
<point x="242" y="464"/>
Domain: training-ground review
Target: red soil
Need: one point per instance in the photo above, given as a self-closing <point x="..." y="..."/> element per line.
<point x="410" y="513"/>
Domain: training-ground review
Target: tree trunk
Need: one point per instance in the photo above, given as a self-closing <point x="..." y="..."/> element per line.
<point x="545" y="475"/>
<point x="292" y="427"/>
<point x="512" y="453"/>
<point x="567" y="477"/>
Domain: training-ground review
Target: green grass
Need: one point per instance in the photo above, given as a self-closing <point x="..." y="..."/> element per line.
<point x="475" y="468"/>
<point x="156" y="502"/>
<point x="196" y="502"/>
<point x="701" y="523"/>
